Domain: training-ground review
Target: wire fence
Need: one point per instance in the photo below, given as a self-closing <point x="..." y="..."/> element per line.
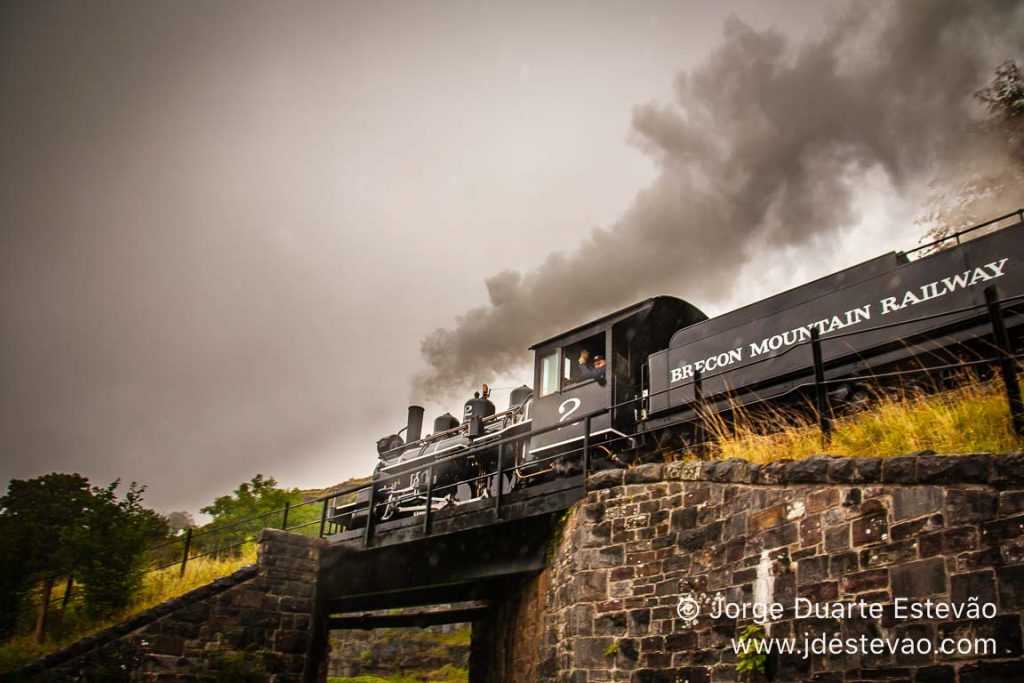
<point x="52" y="600"/>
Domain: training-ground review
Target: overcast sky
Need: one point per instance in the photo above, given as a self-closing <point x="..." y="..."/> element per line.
<point x="228" y="227"/>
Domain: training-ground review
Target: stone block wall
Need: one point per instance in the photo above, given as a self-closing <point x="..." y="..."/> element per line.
<point x="259" y="624"/>
<point x="825" y="531"/>
<point x="505" y="647"/>
<point x="387" y="652"/>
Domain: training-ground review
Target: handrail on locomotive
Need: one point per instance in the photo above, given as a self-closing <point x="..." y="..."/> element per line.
<point x="668" y="364"/>
<point x="1019" y="214"/>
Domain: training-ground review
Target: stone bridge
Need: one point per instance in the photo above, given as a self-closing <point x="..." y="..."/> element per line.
<point x="600" y="592"/>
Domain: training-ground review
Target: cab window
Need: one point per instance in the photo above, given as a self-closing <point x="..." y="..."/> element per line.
<point x="549" y="373"/>
<point x="584" y="360"/>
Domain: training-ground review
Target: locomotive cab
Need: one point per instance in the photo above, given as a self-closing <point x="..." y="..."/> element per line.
<point x="597" y="366"/>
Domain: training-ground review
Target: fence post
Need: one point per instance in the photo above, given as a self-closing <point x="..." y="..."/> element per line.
<point x="284" y="517"/>
<point x="820" y="391"/>
<point x="500" y="482"/>
<point x="184" y="554"/>
<point x="700" y="433"/>
<point x="323" y="517"/>
<point x="67" y="592"/>
<point x="586" y="449"/>
<point x="1007" y="364"/>
<point x="369" y="515"/>
<point x="430" y="499"/>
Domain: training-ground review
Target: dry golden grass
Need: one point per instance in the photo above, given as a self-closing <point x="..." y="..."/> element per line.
<point x="971" y="418"/>
<point x="165" y="584"/>
<point x="157" y="586"/>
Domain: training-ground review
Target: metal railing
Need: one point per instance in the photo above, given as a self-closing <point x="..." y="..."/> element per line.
<point x="1004" y="358"/>
<point x="703" y="408"/>
<point x="1019" y="214"/>
<point x="60" y="591"/>
<point x="435" y="493"/>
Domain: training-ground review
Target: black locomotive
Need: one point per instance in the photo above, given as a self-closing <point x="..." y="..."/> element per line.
<point x="454" y="478"/>
<point x="645" y="371"/>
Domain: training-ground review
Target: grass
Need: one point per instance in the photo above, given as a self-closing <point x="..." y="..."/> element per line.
<point x="446" y="674"/>
<point x="372" y="679"/>
<point x="164" y="584"/>
<point x="972" y="417"/>
<point x="460" y="636"/>
<point x="157" y="586"/>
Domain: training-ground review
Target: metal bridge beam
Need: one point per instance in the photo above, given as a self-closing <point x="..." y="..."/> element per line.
<point x="476" y="564"/>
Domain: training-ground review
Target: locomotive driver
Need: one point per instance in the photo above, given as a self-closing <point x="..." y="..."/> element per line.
<point x="590" y="370"/>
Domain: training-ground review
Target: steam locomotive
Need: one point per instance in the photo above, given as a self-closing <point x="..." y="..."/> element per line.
<point x="660" y="361"/>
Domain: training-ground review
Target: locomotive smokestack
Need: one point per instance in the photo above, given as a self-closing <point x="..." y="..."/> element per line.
<point x="414" y="426"/>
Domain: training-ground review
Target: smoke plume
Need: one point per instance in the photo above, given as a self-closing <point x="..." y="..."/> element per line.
<point x="762" y="146"/>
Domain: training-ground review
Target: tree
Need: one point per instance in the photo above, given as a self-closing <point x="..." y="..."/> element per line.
<point x="247" y="510"/>
<point x="111" y="578"/>
<point x="990" y="177"/>
<point x="39" y="519"/>
<point x="178" y="521"/>
<point x="1004" y="96"/>
<point x="58" y="525"/>
<point x="45" y="514"/>
<point x="14" y="572"/>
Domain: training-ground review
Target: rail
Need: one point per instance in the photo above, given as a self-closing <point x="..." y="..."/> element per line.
<point x="1019" y="213"/>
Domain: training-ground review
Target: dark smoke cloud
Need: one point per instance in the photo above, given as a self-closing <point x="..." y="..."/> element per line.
<point x="762" y="147"/>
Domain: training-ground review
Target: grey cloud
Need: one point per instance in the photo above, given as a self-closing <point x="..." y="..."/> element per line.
<point x="763" y="144"/>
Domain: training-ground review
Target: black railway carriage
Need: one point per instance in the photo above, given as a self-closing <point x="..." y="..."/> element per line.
<point x="646" y="369"/>
<point x="882" y="315"/>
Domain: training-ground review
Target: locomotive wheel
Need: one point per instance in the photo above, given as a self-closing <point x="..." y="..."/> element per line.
<point x="508" y="483"/>
<point x="566" y="466"/>
<point x="463" y="492"/>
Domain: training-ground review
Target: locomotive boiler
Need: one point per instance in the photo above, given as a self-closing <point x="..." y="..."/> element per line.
<point x="462" y="460"/>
